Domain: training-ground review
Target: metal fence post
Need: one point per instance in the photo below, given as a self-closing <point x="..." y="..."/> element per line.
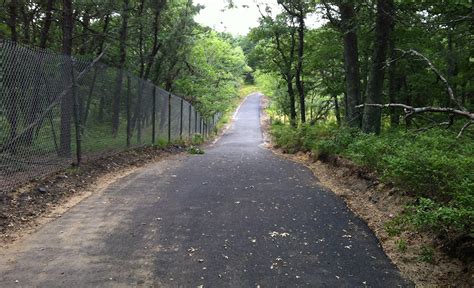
<point x="181" y="121"/>
<point x="77" y="118"/>
<point x="169" y="118"/>
<point x="189" y="126"/>
<point x="153" y="117"/>
<point x="195" y="121"/>
<point x="128" y="111"/>
<point x="213" y="121"/>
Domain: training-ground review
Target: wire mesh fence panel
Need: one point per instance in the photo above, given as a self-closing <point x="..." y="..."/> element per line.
<point x="175" y="117"/>
<point x="56" y="109"/>
<point x="162" y="114"/>
<point x="36" y="112"/>
<point x="186" y="118"/>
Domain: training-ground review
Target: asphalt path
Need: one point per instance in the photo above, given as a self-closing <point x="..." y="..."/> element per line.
<point x="237" y="216"/>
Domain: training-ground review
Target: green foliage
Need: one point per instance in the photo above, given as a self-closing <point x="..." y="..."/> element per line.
<point x="216" y="71"/>
<point x="286" y="137"/>
<point x="426" y="254"/>
<point x="434" y="166"/>
<point x="428" y="214"/>
<point x="198" y="139"/>
<point x="195" y="150"/>
<point x="161" y="143"/>
<point x="401" y="245"/>
<point x="396" y="226"/>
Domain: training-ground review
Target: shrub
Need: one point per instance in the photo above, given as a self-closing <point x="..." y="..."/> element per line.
<point x="434" y="166"/>
<point x="428" y="214"/>
<point x="287" y="137"/>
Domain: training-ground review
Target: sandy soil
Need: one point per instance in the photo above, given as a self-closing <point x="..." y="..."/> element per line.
<point x="26" y="209"/>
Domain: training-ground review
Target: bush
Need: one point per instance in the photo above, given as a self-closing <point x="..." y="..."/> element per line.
<point x="428" y="214"/>
<point x="287" y="137"/>
<point x="434" y="166"/>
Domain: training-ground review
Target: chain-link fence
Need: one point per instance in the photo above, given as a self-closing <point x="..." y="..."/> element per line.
<point x="56" y="110"/>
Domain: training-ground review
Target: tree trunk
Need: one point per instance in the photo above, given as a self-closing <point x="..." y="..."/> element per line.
<point x="86" y="18"/>
<point x="156" y="44"/>
<point x="46" y="24"/>
<point x="119" y="79"/>
<point x="100" y="115"/>
<point x="12" y="7"/>
<point x="66" y="101"/>
<point x="371" y="121"/>
<point x="451" y="64"/>
<point x="291" y="94"/>
<point x="337" y="111"/>
<point x="26" y="24"/>
<point x="299" y="69"/>
<point x="351" y="63"/>
<point x="11" y="99"/>
<point x="392" y="79"/>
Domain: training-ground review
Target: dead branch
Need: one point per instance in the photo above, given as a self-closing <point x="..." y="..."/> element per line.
<point x="410" y="110"/>
<point x="464" y="128"/>
<point x="414" y="110"/>
<point x="436" y="71"/>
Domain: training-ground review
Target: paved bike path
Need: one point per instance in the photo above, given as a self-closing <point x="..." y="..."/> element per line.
<point x="237" y="216"/>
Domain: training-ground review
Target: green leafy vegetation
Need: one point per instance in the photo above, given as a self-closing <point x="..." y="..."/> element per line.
<point x="195" y="150"/>
<point x="434" y="166"/>
<point x="401" y="245"/>
<point x="354" y="87"/>
<point x="426" y="254"/>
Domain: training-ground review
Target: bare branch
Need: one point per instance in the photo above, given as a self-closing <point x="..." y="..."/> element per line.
<point x="413" y="110"/>
<point x="438" y="74"/>
<point x="409" y="111"/>
<point x="464" y="128"/>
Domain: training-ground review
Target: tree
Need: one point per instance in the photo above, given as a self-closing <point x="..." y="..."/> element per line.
<point x="347" y="25"/>
<point x="299" y="9"/>
<point x="278" y="38"/>
<point x="67" y="100"/>
<point x="121" y="64"/>
<point x="371" y="121"/>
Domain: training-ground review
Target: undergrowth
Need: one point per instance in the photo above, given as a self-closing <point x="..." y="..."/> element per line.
<point x="433" y="166"/>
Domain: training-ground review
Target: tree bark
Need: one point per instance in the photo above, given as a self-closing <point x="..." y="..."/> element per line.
<point x="11" y="101"/>
<point x="46" y="24"/>
<point x="299" y="68"/>
<point x="337" y="110"/>
<point x="26" y="24"/>
<point x="392" y="77"/>
<point x="291" y="94"/>
<point x="66" y="101"/>
<point x="119" y="78"/>
<point x="100" y="115"/>
<point x="351" y="63"/>
<point x="371" y="121"/>
<point x="156" y="44"/>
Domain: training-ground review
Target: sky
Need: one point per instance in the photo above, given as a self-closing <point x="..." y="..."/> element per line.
<point x="240" y="19"/>
<point x="237" y="21"/>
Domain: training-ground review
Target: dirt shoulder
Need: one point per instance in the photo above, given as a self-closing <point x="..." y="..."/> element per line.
<point x="26" y="209"/>
<point x="30" y="206"/>
<point x="377" y="204"/>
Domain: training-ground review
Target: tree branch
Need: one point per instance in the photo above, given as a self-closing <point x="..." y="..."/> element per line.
<point x="414" y="110"/>
<point x="409" y="110"/>
<point x="438" y="74"/>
